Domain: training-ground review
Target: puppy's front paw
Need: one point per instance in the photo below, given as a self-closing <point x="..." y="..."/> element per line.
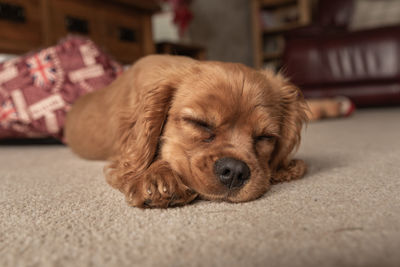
<point x="296" y="170"/>
<point x="160" y="188"/>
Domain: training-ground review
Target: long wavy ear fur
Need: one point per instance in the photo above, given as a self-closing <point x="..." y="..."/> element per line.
<point x="293" y="107"/>
<point x="140" y="130"/>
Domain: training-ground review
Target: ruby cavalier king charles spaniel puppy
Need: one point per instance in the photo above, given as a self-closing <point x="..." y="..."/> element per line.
<point x="175" y="129"/>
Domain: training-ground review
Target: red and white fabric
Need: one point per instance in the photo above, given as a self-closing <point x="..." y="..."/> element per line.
<point x="37" y="89"/>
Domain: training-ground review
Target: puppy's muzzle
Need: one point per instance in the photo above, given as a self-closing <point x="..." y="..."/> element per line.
<point x="231" y="172"/>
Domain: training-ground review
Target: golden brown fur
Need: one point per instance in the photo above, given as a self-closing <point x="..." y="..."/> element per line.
<point x="166" y="121"/>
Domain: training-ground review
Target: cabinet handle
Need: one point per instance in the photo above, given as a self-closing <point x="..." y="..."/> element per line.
<point x="73" y="24"/>
<point x="14" y="13"/>
<point x="127" y="34"/>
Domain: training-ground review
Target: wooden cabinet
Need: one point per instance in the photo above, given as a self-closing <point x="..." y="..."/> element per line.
<point x="188" y="50"/>
<point x="20" y="25"/>
<point x="120" y="27"/>
<point x="122" y="34"/>
<point x="66" y="17"/>
<point x="271" y="19"/>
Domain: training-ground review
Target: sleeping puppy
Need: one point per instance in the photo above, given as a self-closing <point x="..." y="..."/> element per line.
<point x="175" y="129"/>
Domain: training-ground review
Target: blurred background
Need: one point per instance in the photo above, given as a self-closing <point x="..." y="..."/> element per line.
<point x="329" y="48"/>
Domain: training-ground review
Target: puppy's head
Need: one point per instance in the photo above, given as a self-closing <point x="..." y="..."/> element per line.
<point x="230" y="128"/>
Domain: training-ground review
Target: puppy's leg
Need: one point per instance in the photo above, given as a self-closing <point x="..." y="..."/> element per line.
<point x="159" y="187"/>
<point x="295" y="170"/>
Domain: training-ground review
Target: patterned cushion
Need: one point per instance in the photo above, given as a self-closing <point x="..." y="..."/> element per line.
<point x="37" y="89"/>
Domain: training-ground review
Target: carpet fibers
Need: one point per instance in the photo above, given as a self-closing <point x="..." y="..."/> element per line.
<point x="57" y="210"/>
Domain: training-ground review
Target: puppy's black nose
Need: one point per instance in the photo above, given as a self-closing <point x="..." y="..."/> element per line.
<point x="231" y="172"/>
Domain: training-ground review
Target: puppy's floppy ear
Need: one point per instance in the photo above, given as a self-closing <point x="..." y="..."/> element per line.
<point x="293" y="116"/>
<point x="139" y="134"/>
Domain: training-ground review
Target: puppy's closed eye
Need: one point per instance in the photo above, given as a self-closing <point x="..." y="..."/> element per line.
<point x="202" y="126"/>
<point x="199" y="124"/>
<point x="265" y="138"/>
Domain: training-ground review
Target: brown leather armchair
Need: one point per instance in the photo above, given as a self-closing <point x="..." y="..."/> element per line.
<point x="326" y="59"/>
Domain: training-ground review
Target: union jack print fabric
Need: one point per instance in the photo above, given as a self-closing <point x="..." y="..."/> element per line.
<point x="36" y="90"/>
<point x="41" y="68"/>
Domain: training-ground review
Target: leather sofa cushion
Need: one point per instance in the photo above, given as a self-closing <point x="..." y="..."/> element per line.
<point x="364" y="56"/>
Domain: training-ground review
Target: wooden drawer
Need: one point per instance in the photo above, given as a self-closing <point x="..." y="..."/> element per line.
<point x="72" y="17"/>
<point x="121" y="27"/>
<point x="122" y="34"/>
<point x="20" y="25"/>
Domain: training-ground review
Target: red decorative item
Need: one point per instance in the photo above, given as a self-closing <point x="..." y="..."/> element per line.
<point x="182" y="12"/>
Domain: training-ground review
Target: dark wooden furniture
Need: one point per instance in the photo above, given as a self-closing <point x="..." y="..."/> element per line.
<point x="268" y="41"/>
<point x="121" y="27"/>
<point x="193" y="51"/>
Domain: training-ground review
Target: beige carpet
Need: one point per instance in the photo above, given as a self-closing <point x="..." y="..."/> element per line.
<point x="57" y="210"/>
